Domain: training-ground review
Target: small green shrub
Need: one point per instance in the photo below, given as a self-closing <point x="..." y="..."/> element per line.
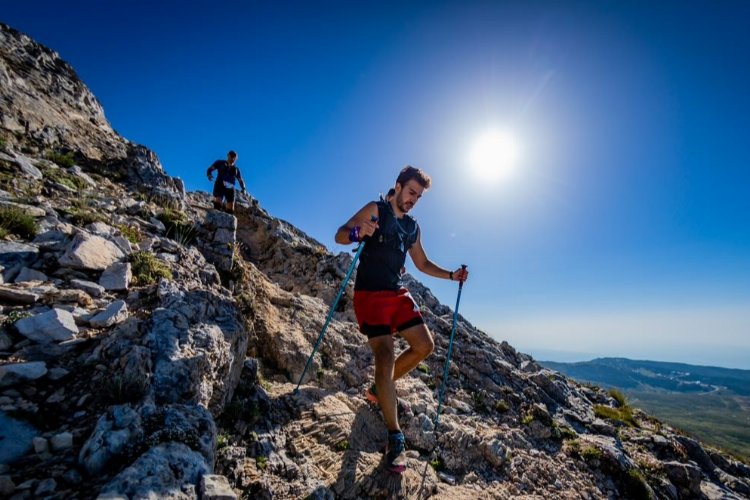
<point x="261" y="462"/>
<point x="178" y="227"/>
<point x="82" y="217"/>
<point x="3" y="233"/>
<point x="591" y="453"/>
<point x="437" y="464"/>
<point x="618" y="396"/>
<point x="527" y="419"/>
<point x="623" y="415"/>
<point x="147" y="269"/>
<point x="3" y="142"/>
<point x="14" y="316"/>
<point x="502" y="406"/>
<point x="342" y="445"/>
<point x="15" y="221"/>
<point x="120" y="390"/>
<point x="422" y="367"/>
<point x="222" y="441"/>
<point x="636" y="486"/>
<point x="131" y="233"/>
<point x="64" y="160"/>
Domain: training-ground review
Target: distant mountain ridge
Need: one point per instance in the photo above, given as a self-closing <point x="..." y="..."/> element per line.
<point x="639" y="374"/>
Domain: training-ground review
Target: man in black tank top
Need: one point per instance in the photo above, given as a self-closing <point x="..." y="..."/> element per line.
<point x="382" y="305"/>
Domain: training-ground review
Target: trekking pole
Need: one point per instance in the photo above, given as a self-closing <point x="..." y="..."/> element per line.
<point x="450" y="348"/>
<point x="333" y="308"/>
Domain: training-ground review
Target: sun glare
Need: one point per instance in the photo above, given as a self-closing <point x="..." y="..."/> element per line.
<point x="494" y="155"/>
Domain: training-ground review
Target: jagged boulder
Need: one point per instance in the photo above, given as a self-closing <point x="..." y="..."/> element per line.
<point x="90" y="252"/>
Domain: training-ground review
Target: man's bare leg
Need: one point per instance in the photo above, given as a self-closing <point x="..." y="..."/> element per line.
<point x="382" y="348"/>
<point x="421" y="345"/>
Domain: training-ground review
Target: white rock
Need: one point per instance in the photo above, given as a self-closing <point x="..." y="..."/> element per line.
<point x="45" y="487"/>
<point x="17" y="296"/>
<point x="117" y="276"/>
<point x="216" y="487"/>
<point x="20" y="372"/>
<point x="88" y="286"/>
<point x="50" y="326"/>
<point x="99" y="229"/>
<point x="27" y="209"/>
<point x="61" y="441"/>
<point x="27" y="167"/>
<point x="41" y="445"/>
<point x="76" y="170"/>
<point x="28" y="274"/>
<point x="91" y="252"/>
<point x="115" y="313"/>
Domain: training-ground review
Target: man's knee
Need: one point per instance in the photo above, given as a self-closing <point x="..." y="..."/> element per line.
<point x="419" y="339"/>
<point x="425" y="346"/>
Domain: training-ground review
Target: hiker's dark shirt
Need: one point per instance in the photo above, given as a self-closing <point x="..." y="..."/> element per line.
<point x="226" y="174"/>
<point x="385" y="251"/>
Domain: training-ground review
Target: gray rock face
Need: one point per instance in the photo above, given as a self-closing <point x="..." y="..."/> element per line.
<point x="214" y="487"/>
<point x="117" y="277"/>
<point x="199" y="346"/>
<point x="16" y="255"/>
<point x="14" y="373"/>
<point x="216" y="238"/>
<point x="162" y="472"/>
<point x="26" y="167"/>
<point x="117" y="433"/>
<point x="90" y="252"/>
<point x="114" y="314"/>
<point x="44" y="98"/>
<point x="146" y="174"/>
<point x="51" y="326"/>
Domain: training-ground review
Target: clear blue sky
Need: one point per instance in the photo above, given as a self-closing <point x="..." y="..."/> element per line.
<point x="625" y="229"/>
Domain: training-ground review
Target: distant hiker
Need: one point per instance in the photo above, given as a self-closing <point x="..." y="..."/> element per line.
<point x="227" y="174"/>
<point x="382" y="305"/>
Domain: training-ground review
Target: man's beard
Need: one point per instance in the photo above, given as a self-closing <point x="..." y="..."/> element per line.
<point x="403" y="206"/>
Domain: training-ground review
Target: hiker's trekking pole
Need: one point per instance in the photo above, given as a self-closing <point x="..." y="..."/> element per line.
<point x="333" y="308"/>
<point x="450" y="348"/>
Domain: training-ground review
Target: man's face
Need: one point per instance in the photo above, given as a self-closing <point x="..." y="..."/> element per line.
<point x="407" y="196"/>
<point x="231" y="159"/>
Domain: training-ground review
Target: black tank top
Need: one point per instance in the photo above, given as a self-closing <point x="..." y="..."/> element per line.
<point x="385" y="251"/>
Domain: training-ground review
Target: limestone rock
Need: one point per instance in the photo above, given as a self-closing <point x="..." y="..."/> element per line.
<point x="87" y="286"/>
<point x="114" y="314"/>
<point x="215" y="487"/>
<point x="17" y="295"/>
<point x="117" y="277"/>
<point x="90" y="252"/>
<point x="14" y="373"/>
<point x="27" y="209"/>
<point x="27" y="274"/>
<point x="51" y="326"/>
<point x="161" y="472"/>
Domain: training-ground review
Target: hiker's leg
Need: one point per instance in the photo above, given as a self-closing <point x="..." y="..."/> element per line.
<point x="382" y="348"/>
<point x="230" y="201"/>
<point x="420" y="346"/>
<point x="217" y="202"/>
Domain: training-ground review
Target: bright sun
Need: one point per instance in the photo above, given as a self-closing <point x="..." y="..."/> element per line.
<point x="494" y="155"/>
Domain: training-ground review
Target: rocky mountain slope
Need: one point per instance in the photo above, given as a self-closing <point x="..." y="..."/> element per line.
<point x="150" y="347"/>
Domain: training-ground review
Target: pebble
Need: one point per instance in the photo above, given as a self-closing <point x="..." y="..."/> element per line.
<point x="62" y="441"/>
<point x="46" y="487"/>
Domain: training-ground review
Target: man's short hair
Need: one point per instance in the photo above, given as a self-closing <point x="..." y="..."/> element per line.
<point x="232" y="153"/>
<point x="408" y="173"/>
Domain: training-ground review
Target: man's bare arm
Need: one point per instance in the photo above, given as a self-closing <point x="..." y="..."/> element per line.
<point x="363" y="219"/>
<point x="424" y="264"/>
